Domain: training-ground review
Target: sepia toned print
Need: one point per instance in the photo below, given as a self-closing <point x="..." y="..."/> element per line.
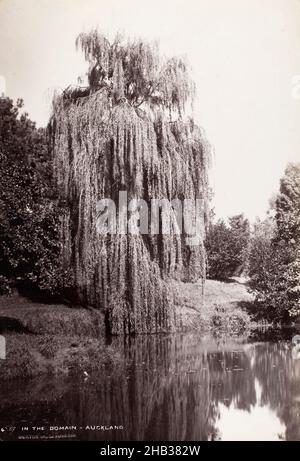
<point x="150" y="222"/>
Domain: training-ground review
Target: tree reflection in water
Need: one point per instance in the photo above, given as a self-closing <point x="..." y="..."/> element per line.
<point x="167" y="388"/>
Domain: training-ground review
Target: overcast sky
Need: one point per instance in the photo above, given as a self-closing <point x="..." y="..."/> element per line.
<point x="244" y="54"/>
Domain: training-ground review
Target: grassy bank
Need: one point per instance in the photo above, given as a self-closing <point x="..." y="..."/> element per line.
<point x="59" y="340"/>
<point x="52" y="339"/>
<point x="221" y="308"/>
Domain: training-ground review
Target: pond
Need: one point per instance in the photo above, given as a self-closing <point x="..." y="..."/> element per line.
<point x="176" y="387"/>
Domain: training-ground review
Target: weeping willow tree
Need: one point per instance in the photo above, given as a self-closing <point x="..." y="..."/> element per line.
<point x="127" y="131"/>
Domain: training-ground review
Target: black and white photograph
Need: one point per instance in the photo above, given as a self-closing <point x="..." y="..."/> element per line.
<point x="149" y="223"/>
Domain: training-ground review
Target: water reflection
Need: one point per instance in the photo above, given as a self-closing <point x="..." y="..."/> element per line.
<point x="169" y="388"/>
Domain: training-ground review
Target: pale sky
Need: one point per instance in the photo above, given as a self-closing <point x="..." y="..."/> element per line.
<point x="244" y="54"/>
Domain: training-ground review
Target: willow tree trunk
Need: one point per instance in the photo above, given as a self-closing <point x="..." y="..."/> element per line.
<point x="99" y="150"/>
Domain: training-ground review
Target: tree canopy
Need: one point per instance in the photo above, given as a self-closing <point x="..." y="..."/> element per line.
<point x="136" y="71"/>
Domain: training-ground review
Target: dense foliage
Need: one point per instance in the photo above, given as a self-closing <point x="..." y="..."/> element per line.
<point x="227" y="247"/>
<point x="275" y="254"/>
<point x="29" y="243"/>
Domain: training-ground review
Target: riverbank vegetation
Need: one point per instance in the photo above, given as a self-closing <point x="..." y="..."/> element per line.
<point x="51" y="339"/>
<point x="58" y="340"/>
<point x="221" y="311"/>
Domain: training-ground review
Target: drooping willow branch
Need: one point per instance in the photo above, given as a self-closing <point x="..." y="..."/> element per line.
<point x="136" y="71"/>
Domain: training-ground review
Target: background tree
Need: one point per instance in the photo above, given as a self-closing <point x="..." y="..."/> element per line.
<point x="260" y="246"/>
<point x="227" y="247"/>
<point x="29" y="244"/>
<point x="274" y="256"/>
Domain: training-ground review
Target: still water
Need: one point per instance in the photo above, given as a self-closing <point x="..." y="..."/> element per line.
<point x="175" y="387"/>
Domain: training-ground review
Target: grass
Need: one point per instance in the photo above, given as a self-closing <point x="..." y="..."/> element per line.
<point x="62" y="340"/>
<point x="219" y="309"/>
<point x="52" y="319"/>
